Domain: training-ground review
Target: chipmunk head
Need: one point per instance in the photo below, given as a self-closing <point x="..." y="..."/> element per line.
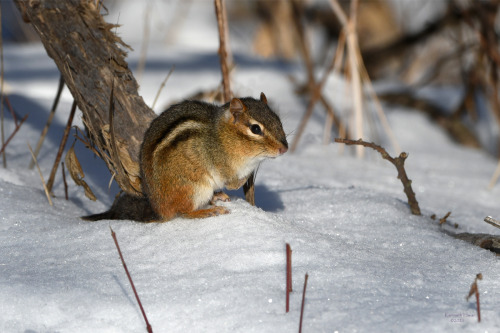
<point x="259" y="126"/>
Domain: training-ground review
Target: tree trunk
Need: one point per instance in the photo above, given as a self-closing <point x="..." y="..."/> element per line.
<point x="92" y="62"/>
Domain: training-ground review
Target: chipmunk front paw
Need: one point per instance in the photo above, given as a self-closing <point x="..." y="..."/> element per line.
<point x="219" y="196"/>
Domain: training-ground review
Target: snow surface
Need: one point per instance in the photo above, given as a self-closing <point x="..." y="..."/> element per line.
<point x="373" y="267"/>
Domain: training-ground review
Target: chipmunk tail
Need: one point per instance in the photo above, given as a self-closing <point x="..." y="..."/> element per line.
<point x="127" y="207"/>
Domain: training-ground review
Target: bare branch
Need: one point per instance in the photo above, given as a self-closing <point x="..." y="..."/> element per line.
<point x="90" y="57"/>
<point x="398" y="162"/>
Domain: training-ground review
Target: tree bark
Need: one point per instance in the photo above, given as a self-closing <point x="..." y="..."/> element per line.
<point x="91" y="59"/>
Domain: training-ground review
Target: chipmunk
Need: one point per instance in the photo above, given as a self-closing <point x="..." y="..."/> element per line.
<point x="192" y="151"/>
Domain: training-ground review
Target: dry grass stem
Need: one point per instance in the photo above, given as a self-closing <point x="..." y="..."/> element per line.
<point x="76" y="172"/>
<point x="358" y="74"/>
<point x="114" y="149"/>
<point x="64" y="139"/>
<point x="220" y="11"/>
<point x="495" y="176"/>
<point x="47" y="192"/>
<point x="145" y="42"/>
<point x="339" y="12"/>
<point x="378" y="108"/>
<point x="314" y="88"/>
<point x="492" y="221"/>
<point x="49" y="121"/>
<point x="474" y="290"/>
<point x="162" y="86"/>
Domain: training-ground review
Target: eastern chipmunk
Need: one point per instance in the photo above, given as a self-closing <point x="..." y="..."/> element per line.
<point x="192" y="151"/>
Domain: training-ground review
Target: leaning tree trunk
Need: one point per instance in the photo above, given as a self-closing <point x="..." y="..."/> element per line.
<point x="92" y="62"/>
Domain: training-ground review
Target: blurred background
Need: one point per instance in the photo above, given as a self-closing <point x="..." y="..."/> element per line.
<point x="436" y="57"/>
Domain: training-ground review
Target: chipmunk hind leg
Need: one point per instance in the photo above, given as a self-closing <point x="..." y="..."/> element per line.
<point x="207" y="212"/>
<point x="202" y="196"/>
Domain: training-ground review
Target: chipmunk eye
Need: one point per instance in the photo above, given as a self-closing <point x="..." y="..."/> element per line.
<point x="256" y="129"/>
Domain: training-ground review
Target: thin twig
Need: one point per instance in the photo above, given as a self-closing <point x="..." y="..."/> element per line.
<point x="148" y="326"/>
<point x="297" y="12"/>
<point x="47" y="193"/>
<point x="4" y="156"/>
<point x="11" y="109"/>
<point x="356" y="84"/>
<point x="314" y="89"/>
<point x="64" y="139"/>
<point x="161" y="86"/>
<point x="288" y="275"/>
<point x="359" y="74"/>
<point x="444" y="218"/>
<point x="492" y="221"/>
<point x="495" y="176"/>
<point x="249" y="188"/>
<point x="88" y="144"/>
<point x="64" y="181"/>
<point x="114" y="149"/>
<point x="145" y="42"/>
<point x="398" y="163"/>
<point x="378" y="106"/>
<point x="337" y="63"/>
<point x="339" y="12"/>
<point x="220" y="9"/>
<point x="49" y="120"/>
<point x="316" y="94"/>
<point x="2" y="150"/>
<point x="475" y="290"/>
<point x="303" y="303"/>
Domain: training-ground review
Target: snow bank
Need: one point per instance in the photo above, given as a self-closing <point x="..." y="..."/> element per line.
<point x="373" y="267"/>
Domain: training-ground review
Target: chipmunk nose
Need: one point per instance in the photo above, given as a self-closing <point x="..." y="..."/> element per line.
<point x="283" y="150"/>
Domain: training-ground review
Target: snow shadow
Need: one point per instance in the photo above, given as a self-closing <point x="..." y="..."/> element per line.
<point x="265" y="199"/>
<point x="209" y="62"/>
<point x="96" y="172"/>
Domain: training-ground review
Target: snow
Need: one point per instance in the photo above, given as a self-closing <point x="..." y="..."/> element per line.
<point x="373" y="267"/>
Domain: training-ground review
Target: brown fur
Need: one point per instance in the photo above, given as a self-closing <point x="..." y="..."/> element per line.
<point x="194" y="149"/>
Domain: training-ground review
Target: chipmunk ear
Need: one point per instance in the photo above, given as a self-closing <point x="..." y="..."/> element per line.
<point x="263" y="98"/>
<point x="237" y="108"/>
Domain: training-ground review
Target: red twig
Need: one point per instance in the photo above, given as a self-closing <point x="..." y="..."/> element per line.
<point x="11" y="109"/>
<point x="478" y="308"/>
<point x="148" y="326"/>
<point x="288" y="275"/>
<point x="13" y="133"/>
<point x="475" y="290"/>
<point x="303" y="302"/>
